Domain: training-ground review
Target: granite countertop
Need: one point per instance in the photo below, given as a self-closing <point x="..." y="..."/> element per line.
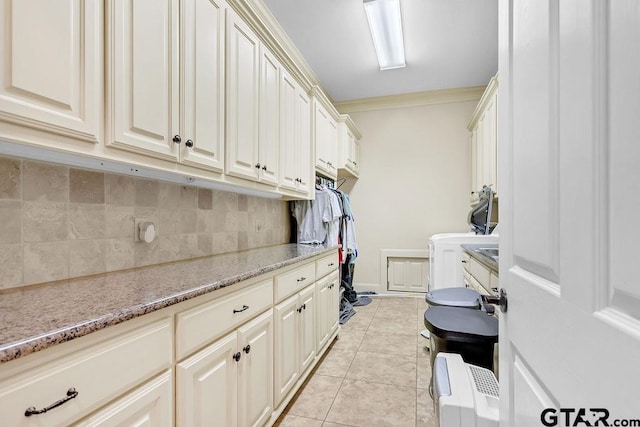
<point x="474" y="250"/>
<point x="33" y="318"/>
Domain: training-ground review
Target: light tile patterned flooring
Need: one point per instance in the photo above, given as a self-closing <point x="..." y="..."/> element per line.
<point x="377" y="374"/>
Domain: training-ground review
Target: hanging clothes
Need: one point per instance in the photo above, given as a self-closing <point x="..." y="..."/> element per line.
<point x="349" y="242"/>
<point x="313" y="217"/>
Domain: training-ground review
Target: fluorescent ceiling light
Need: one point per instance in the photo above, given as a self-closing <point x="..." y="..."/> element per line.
<point x="385" y="23"/>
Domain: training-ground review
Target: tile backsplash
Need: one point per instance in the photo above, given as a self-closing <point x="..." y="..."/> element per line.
<point x="58" y="222"/>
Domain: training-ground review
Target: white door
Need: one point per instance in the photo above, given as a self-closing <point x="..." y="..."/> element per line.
<point x="206" y="385"/>
<point x="288" y="159"/>
<point x="255" y="374"/>
<point x="269" y="117"/>
<point x="569" y="146"/>
<point x="306" y="171"/>
<point x="286" y="347"/>
<point x="142" y="76"/>
<point x="307" y="304"/>
<point x="52" y="78"/>
<point x="202" y="83"/>
<point x="243" y="53"/>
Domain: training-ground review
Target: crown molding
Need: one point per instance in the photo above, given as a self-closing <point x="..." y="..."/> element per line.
<point x="492" y="87"/>
<point x="258" y="16"/>
<point x="415" y="99"/>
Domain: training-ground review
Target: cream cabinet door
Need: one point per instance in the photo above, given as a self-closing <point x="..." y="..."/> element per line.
<point x="206" y="386"/>
<point x="51" y="66"/>
<point x="332" y="148"/>
<point x="327" y="306"/>
<point x="150" y="405"/>
<point x="321" y="136"/>
<point x="322" y="310"/>
<point x="307" y="329"/>
<point x="286" y="343"/>
<point x="142" y="76"/>
<point x="288" y="142"/>
<point x="255" y="375"/>
<point x="243" y="53"/>
<point x="304" y="160"/>
<point x="202" y="83"/>
<point x="269" y="117"/>
<point x="333" y="310"/>
<point x="295" y="136"/>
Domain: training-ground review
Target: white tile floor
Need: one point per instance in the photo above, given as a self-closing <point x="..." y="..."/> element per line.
<point x="376" y="374"/>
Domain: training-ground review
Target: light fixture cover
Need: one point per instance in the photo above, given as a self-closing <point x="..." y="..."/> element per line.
<point x="385" y="24"/>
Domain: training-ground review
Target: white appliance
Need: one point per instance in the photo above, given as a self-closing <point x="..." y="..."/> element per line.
<point x="445" y="257"/>
<point x="465" y="395"/>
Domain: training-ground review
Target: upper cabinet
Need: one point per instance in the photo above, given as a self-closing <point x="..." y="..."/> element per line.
<point x="295" y="136"/>
<point x="348" y="147"/>
<point x="151" y="109"/>
<point x="51" y="68"/>
<point x="196" y="91"/>
<point x="325" y="132"/>
<point x="253" y="98"/>
<point x="243" y="76"/>
<point x="484" y="137"/>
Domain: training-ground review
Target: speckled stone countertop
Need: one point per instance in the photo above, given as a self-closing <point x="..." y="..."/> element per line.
<point x="33" y="318"/>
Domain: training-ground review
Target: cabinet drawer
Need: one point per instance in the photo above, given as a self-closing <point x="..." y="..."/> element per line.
<point x="98" y="373"/>
<point x="293" y="281"/>
<point x="203" y="324"/>
<point x="326" y="265"/>
<point x="494" y="283"/>
<point x="479" y="272"/>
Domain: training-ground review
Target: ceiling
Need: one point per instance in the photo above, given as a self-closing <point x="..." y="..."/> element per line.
<point x="448" y="44"/>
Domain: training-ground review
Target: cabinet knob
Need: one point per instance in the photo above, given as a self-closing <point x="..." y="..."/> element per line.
<point x="304" y="306"/>
<point x="189" y="143"/>
<point x="299" y="309"/>
<point x="236" y="356"/>
<point x="257" y="165"/>
<point x="247" y="349"/>
<point x="177" y="139"/>
<point x="264" y="168"/>
<point x="302" y="279"/>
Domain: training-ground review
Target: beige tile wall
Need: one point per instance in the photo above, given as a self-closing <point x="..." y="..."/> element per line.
<point x="58" y="222"/>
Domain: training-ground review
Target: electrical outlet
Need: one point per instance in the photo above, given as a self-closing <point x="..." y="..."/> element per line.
<point x="144" y="230"/>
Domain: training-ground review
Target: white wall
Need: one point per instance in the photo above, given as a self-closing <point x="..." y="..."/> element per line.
<point x="414" y="181"/>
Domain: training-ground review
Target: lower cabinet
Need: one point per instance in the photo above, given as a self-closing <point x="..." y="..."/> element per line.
<point x="230" y="382"/>
<point x="295" y="342"/>
<point x="230" y="360"/>
<point x="328" y="294"/>
<point x="88" y="374"/>
<point x="150" y="405"/>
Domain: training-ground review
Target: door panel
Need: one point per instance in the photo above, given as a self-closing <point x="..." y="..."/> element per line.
<point x="303" y="142"/>
<point x="535" y="154"/>
<point x="286" y="367"/>
<point x="288" y="140"/>
<point x="144" y="76"/>
<point x="52" y="77"/>
<point x="568" y="170"/>
<point x="206" y="386"/>
<point x="242" y="99"/>
<point x="269" y="141"/>
<point x="255" y="376"/>
<point x="203" y="59"/>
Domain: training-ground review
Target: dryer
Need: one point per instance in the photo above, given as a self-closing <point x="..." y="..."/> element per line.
<point x="445" y="250"/>
<point x="445" y="257"/>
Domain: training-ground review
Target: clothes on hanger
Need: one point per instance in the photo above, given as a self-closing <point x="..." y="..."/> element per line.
<point x="325" y="219"/>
